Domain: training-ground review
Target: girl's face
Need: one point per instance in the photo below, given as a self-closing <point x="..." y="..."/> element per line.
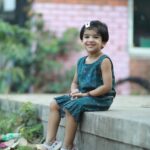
<point x="92" y="41"/>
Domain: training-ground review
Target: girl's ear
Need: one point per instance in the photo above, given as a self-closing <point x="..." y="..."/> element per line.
<point x="103" y="44"/>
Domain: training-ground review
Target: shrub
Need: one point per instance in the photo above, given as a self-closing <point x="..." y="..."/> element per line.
<point x="29" y="61"/>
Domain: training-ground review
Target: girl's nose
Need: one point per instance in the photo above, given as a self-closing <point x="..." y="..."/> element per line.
<point x="90" y="38"/>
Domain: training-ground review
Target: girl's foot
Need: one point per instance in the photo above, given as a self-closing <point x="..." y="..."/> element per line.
<point x="56" y="145"/>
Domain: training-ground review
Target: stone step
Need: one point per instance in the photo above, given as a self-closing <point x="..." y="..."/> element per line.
<point x="126" y="126"/>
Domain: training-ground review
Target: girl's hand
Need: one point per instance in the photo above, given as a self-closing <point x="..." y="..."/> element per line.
<point x="79" y="94"/>
<point x="74" y="91"/>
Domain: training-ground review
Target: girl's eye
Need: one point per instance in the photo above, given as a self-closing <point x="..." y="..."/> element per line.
<point x="96" y="37"/>
<point x="86" y="36"/>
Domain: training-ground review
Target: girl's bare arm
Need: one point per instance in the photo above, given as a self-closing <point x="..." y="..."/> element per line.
<point x="74" y="84"/>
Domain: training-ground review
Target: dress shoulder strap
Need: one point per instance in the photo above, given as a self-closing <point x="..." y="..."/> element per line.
<point x="81" y="61"/>
<point x="100" y="60"/>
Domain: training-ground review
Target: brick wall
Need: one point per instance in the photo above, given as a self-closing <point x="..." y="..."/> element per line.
<point x="139" y="68"/>
<point x="60" y="16"/>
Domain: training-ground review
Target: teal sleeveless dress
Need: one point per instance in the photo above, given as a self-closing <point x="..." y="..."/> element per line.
<point x="89" y="78"/>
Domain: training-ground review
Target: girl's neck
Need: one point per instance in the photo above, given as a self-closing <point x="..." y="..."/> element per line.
<point x="95" y="55"/>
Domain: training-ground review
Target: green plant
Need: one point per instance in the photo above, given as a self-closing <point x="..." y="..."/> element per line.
<point x="29" y="61"/>
<point x="8" y="122"/>
<point x="32" y="133"/>
<point x="12" y="50"/>
<point x="47" y="54"/>
<point x="31" y="127"/>
<point x="26" y="121"/>
<point x="62" y="84"/>
<point x="25" y="148"/>
<point x="28" y="114"/>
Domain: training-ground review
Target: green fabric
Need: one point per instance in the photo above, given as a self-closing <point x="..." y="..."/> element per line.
<point x="90" y="76"/>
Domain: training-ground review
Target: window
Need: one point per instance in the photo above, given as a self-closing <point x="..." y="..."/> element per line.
<point x="139" y="27"/>
<point x="7" y="10"/>
<point x="13" y="11"/>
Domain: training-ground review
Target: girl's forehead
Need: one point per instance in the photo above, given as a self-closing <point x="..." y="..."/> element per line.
<point x="90" y="31"/>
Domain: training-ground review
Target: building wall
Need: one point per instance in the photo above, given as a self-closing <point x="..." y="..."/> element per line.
<point x="139" y="68"/>
<point x="62" y="14"/>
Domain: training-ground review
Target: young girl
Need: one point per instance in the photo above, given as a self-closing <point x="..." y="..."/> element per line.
<point x="92" y="88"/>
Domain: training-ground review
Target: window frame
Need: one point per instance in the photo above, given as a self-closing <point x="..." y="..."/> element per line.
<point x="135" y="51"/>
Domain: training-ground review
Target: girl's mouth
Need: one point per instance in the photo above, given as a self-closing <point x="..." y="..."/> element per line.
<point x="90" y="45"/>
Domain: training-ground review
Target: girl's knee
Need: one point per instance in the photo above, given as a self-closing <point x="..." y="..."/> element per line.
<point x="54" y="105"/>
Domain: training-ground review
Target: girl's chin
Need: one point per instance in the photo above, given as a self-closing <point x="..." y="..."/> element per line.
<point x="96" y="52"/>
<point x="92" y="50"/>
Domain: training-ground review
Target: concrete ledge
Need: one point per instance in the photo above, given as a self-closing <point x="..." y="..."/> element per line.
<point x="126" y="126"/>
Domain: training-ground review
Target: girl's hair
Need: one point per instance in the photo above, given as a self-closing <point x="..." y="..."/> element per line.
<point x="99" y="26"/>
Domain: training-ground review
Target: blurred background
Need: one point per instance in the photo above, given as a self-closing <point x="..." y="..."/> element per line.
<point x="39" y="43"/>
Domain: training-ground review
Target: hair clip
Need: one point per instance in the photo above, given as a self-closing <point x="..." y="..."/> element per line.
<point x="87" y="25"/>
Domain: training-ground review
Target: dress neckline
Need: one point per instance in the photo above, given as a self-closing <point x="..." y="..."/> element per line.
<point x="94" y="61"/>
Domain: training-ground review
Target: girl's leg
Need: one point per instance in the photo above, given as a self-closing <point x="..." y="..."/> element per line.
<point x="53" y="122"/>
<point x="70" y="130"/>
